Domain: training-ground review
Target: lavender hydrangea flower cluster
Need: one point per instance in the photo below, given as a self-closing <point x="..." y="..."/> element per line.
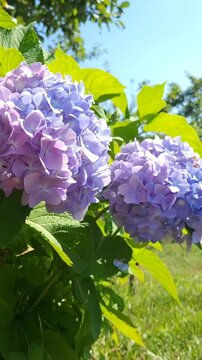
<point x="156" y="190"/>
<point x="52" y="146"/>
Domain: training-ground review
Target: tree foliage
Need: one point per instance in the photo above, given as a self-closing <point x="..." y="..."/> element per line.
<point x="63" y="18"/>
<point x="187" y="102"/>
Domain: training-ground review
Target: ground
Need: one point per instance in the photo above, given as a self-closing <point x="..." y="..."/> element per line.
<point x="170" y="331"/>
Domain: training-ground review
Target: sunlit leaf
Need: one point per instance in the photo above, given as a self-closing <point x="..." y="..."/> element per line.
<point x="125" y="4"/>
<point x="6" y="21"/>
<point x="115" y="338"/>
<point x="175" y="125"/>
<point x="9" y="60"/>
<point x="121" y="323"/>
<point x="157" y="245"/>
<point x="65" y="65"/>
<point x="135" y="270"/>
<point x="150" y="100"/>
<point x="121" y="102"/>
<point x="101" y="83"/>
<point x="152" y="262"/>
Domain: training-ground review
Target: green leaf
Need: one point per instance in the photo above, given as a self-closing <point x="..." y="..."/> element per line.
<point x="6" y="313"/>
<point x="47" y="56"/>
<point x="81" y="241"/>
<point x="152" y="262"/>
<point x="53" y="222"/>
<point x="36" y="352"/>
<point x="65" y="65"/>
<point x="51" y="240"/>
<point x="133" y="244"/>
<point x="25" y="39"/>
<point x="110" y="248"/>
<point x="12" y="330"/>
<point x="65" y="234"/>
<point x="157" y="245"/>
<point x="6" y="21"/>
<point x="16" y="355"/>
<point x="125" y="4"/>
<point x="84" y="338"/>
<point x="8" y="276"/>
<point x="12" y="216"/>
<point x="127" y="130"/>
<point x="110" y="297"/>
<point x="175" y="125"/>
<point x="100" y="112"/>
<point x="199" y="246"/>
<point x="86" y="293"/>
<point x="122" y="324"/>
<point x="57" y="347"/>
<point x="150" y="100"/>
<point x="121" y="102"/>
<point x="100" y="83"/>
<point x="114" y="148"/>
<point x="108" y="223"/>
<point x="9" y="60"/>
<point x="135" y="270"/>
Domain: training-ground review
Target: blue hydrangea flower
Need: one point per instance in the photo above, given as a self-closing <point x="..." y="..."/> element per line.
<point x="121" y="265"/>
<point x="52" y="146"/>
<point x="156" y="190"/>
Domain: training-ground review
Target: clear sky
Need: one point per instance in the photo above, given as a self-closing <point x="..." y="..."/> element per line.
<point x="162" y="40"/>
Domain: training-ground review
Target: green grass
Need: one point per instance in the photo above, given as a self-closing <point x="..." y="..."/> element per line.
<point x="169" y="331"/>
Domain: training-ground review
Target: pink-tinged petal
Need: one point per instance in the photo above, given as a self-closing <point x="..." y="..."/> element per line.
<point x="32" y="181"/>
<point x="10" y="184"/>
<point x="5" y="94"/>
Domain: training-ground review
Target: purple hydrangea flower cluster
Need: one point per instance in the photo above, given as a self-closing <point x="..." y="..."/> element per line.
<point x="156" y="190"/>
<point x="52" y="146"/>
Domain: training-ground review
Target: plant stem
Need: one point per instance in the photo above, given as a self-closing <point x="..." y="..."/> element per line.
<point x="101" y="213"/>
<point x="117" y="231"/>
<point x="55" y="277"/>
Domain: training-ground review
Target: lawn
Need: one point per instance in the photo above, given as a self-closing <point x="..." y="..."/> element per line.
<point x="170" y="331"/>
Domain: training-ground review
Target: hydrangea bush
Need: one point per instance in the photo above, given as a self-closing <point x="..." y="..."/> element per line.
<point x="71" y="224"/>
<point x="156" y="190"/>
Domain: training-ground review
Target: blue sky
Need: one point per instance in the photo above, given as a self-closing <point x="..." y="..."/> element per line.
<point x="162" y="40"/>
